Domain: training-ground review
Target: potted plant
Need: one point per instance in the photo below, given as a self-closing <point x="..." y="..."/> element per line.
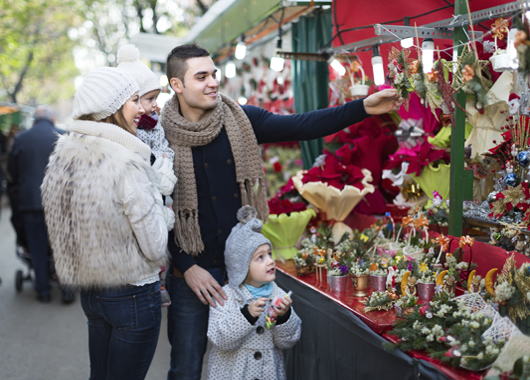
<point x="338" y="272"/>
<point x="426" y="283"/>
<point x="360" y="276"/>
<point x="378" y="276"/>
<point x="304" y="259"/>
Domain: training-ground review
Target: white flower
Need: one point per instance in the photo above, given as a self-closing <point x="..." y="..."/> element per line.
<point x="528" y="296"/>
<point x="429" y="338"/>
<point x="462" y="265"/>
<point x="417" y="325"/>
<point x="504" y="292"/>
<point x="487" y="340"/>
<point x="425" y="331"/>
<point x="471" y="343"/>
<point x="437" y="331"/>
<point x="463" y="362"/>
<point x="480" y="356"/>
<point x="475" y="325"/>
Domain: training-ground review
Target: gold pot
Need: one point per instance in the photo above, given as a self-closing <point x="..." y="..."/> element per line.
<point x="360" y="284"/>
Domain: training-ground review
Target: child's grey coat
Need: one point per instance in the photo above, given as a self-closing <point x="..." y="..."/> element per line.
<point x="244" y="351"/>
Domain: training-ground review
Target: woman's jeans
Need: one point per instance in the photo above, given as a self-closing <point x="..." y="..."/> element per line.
<point x="123" y="329"/>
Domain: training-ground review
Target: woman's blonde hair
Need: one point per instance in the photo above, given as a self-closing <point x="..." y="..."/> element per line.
<point x="117" y="119"/>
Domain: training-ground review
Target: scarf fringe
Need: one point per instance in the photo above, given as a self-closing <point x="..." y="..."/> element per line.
<point x="256" y="198"/>
<point x="188" y="233"/>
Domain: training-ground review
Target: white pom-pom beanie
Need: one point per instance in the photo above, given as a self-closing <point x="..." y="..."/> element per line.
<point x="129" y="62"/>
<point x="103" y="92"/>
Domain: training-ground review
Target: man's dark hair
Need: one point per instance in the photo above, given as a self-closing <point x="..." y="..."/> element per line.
<point x="176" y="60"/>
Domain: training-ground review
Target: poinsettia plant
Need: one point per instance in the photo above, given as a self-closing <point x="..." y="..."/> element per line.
<point x="336" y="170"/>
<point x="419" y="157"/>
<point x="285" y="206"/>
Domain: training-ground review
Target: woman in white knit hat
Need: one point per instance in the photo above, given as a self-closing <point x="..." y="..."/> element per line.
<point x="107" y="225"/>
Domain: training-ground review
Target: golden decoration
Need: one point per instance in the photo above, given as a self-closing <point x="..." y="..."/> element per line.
<point x="470" y="280"/>
<point x="404" y="282"/>
<point x="443" y="242"/>
<point x="466" y="240"/>
<point x="499" y="28"/>
<point x="488" y="281"/>
<point x="440" y="278"/>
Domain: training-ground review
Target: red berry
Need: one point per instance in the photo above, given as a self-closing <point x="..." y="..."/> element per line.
<point x="495" y="141"/>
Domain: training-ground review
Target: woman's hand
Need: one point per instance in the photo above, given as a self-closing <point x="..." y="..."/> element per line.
<point x="257" y="307"/>
<point x="382" y="102"/>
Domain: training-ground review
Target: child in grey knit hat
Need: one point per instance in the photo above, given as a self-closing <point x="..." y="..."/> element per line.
<point x="243" y="348"/>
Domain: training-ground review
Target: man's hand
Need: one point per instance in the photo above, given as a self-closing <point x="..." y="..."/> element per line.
<point x="382" y="102"/>
<point x="204" y="285"/>
<point x="284" y="306"/>
<point x="257" y="307"/>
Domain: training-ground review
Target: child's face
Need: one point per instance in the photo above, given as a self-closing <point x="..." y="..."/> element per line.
<point x="262" y="269"/>
<point x="148" y="101"/>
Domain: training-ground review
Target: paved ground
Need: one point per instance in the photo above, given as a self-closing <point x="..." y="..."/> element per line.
<point x="47" y="341"/>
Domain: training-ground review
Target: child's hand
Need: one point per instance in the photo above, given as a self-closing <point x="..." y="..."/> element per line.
<point x="257" y="307"/>
<point x="284" y="306"/>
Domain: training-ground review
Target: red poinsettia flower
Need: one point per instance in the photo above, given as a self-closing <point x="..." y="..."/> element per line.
<point x="284" y="206"/>
<point x="426" y="155"/>
<point x="337" y="170"/>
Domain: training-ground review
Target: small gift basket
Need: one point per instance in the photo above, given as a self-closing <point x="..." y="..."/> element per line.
<point x="501" y="60"/>
<point x="357" y="89"/>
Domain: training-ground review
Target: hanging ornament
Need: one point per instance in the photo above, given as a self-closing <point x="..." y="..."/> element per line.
<point x="511" y="179"/>
<point x="425" y="311"/>
<point x="523" y="158"/>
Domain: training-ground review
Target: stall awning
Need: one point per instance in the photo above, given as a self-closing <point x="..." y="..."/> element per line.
<point x="226" y="20"/>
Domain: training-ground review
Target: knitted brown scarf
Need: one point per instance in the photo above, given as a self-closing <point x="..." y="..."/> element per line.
<point x="183" y="135"/>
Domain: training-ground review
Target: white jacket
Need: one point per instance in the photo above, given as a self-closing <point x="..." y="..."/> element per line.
<point x="103" y="211"/>
<point x="245" y="351"/>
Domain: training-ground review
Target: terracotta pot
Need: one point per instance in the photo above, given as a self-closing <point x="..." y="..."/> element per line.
<point x="425" y="290"/>
<point x="337" y="283"/>
<point x="360" y="284"/>
<point x="378" y="283"/>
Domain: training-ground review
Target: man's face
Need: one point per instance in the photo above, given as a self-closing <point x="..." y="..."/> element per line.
<point x="199" y="90"/>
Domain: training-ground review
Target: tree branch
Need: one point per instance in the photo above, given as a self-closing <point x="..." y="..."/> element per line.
<point x="203" y="7"/>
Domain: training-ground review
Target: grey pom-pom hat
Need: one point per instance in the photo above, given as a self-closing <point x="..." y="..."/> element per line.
<point x="243" y="241"/>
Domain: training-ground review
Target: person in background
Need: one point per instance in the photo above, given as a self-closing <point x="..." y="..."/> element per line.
<point x="26" y="166"/>
<point x="219" y="169"/>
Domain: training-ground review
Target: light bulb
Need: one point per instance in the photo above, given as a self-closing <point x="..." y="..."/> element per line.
<point x="377" y="66"/>
<point x="337" y="66"/>
<point x="242" y="100"/>
<point x="407" y="42"/>
<point x="427" y="55"/>
<point x="277" y="63"/>
<point x="230" y="69"/>
<point x="241" y="50"/>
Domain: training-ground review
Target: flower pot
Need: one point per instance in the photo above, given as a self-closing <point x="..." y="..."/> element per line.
<point x="434" y="178"/>
<point x="284" y="231"/>
<point x="360" y="284"/>
<point x="304" y="270"/>
<point x="425" y="290"/>
<point x="337" y="283"/>
<point x="378" y="283"/>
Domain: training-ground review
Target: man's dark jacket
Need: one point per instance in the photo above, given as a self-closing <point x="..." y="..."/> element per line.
<point x="218" y="191"/>
<point x="27" y="162"/>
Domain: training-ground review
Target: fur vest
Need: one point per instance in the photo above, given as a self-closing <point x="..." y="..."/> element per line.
<point x="98" y="187"/>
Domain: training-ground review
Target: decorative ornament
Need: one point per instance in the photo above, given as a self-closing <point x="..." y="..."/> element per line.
<point x="523" y="158"/>
<point x="511" y="179"/>
<point x="488" y="282"/>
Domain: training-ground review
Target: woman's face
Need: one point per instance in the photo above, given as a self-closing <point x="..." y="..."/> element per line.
<point x="131" y="110"/>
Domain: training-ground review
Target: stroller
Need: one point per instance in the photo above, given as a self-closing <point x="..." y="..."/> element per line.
<point x="23" y="253"/>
